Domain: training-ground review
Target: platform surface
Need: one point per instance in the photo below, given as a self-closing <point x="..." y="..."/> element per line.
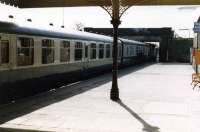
<point x="154" y="98"/>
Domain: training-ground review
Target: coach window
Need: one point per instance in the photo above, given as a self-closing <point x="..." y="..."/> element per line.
<point x="136" y="50"/>
<point x="65" y="51"/>
<point x="48" y="51"/>
<point x="4" y="47"/>
<point x="119" y="51"/>
<point x="127" y="50"/>
<point x="25" y="52"/>
<point x="78" y="51"/>
<point x="101" y="51"/>
<point x="93" y="53"/>
<point x="107" y="51"/>
<point x="86" y="51"/>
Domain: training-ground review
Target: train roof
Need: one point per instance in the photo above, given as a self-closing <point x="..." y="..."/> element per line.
<point x="128" y="41"/>
<point x="69" y="34"/>
<point x="8" y="27"/>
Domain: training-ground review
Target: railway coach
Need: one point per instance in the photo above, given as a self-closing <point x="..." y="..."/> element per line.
<point x="36" y="60"/>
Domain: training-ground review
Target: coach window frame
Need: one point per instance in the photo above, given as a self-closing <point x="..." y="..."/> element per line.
<point x="53" y="47"/>
<point x="68" y="49"/>
<point x="93" y="47"/>
<point x="86" y="50"/>
<point x="127" y="50"/>
<point x="20" y="47"/>
<point x="119" y="53"/>
<point x="0" y="48"/>
<point x="134" y="49"/>
<point x="80" y="47"/>
<point x="5" y="37"/>
<point x="110" y="50"/>
<point x="101" y="48"/>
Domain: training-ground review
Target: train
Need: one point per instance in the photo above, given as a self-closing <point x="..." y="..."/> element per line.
<point x="36" y="60"/>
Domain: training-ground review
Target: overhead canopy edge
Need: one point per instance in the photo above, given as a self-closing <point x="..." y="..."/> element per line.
<point x="81" y="3"/>
<point x="160" y="2"/>
<point x="62" y="3"/>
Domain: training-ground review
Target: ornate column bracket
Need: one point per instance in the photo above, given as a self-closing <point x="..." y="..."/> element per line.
<point x="10" y="2"/>
<point x="108" y="9"/>
<point x="122" y="9"/>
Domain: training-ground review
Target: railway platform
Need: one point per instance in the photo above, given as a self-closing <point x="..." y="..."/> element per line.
<point x="154" y="98"/>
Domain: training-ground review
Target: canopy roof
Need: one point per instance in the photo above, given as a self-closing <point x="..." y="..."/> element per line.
<point x="73" y="3"/>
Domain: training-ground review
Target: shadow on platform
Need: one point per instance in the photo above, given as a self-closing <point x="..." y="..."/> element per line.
<point x="147" y="127"/>
<point x="27" y="105"/>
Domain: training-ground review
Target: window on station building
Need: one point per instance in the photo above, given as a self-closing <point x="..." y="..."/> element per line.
<point x="4" y="47"/>
<point x="25" y="52"/>
<point x="65" y="51"/>
<point x="107" y="51"/>
<point x="48" y="51"/>
<point x="93" y="52"/>
<point x="101" y="51"/>
<point x="78" y="51"/>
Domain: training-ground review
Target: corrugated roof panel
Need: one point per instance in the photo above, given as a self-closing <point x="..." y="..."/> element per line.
<point x="73" y="3"/>
<point x="69" y="34"/>
<point x="6" y="27"/>
<point x="161" y="2"/>
<point x="62" y="3"/>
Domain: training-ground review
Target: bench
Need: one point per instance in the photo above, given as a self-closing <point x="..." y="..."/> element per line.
<point x="195" y="79"/>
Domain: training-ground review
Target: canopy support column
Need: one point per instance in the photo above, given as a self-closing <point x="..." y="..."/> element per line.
<point x="115" y="11"/>
<point x="114" y="93"/>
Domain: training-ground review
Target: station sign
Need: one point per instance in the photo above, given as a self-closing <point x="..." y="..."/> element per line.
<point x="196" y="28"/>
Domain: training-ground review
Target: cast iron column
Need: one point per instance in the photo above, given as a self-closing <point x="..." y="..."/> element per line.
<point x="114" y="93"/>
<point x="115" y="11"/>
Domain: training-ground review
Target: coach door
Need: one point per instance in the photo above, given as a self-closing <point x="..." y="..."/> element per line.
<point x="4" y="50"/>
<point x="86" y="56"/>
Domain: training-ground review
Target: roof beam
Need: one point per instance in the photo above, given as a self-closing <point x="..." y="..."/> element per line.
<point x="61" y="3"/>
<point x="74" y="3"/>
<point x="160" y="2"/>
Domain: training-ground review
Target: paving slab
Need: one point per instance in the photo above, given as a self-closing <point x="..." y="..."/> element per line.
<point x="154" y="98"/>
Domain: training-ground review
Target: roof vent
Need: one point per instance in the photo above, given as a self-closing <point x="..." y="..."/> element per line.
<point x="29" y="20"/>
<point x="11" y="16"/>
<point x="51" y="24"/>
<point x="62" y="26"/>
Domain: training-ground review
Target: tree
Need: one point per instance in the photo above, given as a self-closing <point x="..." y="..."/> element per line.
<point x="79" y="26"/>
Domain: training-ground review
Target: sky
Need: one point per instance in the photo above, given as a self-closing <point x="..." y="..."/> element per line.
<point x="135" y="17"/>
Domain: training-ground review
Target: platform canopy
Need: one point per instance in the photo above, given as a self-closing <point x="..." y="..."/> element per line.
<point x="73" y="3"/>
